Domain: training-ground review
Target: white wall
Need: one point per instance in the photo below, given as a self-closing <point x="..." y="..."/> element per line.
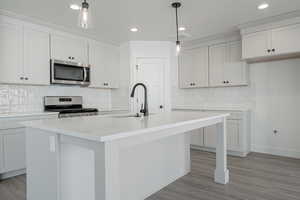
<point x="273" y="97"/>
<point x="17" y="98"/>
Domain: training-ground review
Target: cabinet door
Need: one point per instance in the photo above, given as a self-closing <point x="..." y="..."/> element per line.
<point x="235" y="72"/>
<point x="217" y="59"/>
<point x="256" y="44"/>
<point x="69" y="48"/>
<point x="105" y="62"/>
<point x="14" y="149"/>
<point x="193" y="68"/>
<point x="11" y="49"/>
<point x="286" y="40"/>
<point x="36" y="57"/>
<point x="1" y="155"/>
<point x="210" y="135"/>
<point x="197" y="137"/>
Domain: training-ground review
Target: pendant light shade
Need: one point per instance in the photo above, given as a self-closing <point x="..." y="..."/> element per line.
<point x="177" y="5"/>
<point x="85" y="15"/>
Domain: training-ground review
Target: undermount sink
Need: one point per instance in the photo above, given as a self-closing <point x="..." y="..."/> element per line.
<point x="129" y="115"/>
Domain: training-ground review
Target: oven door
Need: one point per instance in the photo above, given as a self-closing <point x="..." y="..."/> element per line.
<point x="63" y="72"/>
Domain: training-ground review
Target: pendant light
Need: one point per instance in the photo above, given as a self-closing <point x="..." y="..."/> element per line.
<point x="177" y="5"/>
<point x="85" y="15"/>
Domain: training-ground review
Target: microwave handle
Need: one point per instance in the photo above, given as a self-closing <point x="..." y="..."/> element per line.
<point x="85" y="74"/>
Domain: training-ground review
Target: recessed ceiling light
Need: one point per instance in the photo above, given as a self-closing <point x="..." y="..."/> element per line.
<point x="263" y="6"/>
<point x="181" y="28"/>
<point x="134" y="29"/>
<point x="75" y="7"/>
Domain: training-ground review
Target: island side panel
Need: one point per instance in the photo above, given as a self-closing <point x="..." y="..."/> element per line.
<point x="142" y="165"/>
<point x="42" y="161"/>
<point x="221" y="171"/>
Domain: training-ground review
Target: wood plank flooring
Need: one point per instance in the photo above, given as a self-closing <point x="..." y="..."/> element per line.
<point x="257" y="177"/>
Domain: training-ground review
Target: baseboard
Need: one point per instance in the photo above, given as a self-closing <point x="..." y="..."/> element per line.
<point x="229" y="152"/>
<point x="12" y="174"/>
<point x="276" y="151"/>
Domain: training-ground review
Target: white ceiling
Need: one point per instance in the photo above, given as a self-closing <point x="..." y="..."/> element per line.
<point x="154" y="18"/>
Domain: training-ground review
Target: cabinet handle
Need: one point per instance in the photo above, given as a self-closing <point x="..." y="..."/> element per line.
<point x="26" y="78"/>
<point x="273" y="50"/>
<point x="269" y="50"/>
<point x="191" y="84"/>
<point x="70" y="57"/>
<point x="227" y="82"/>
<point x="22" y="78"/>
<point x="224" y="82"/>
<point x="73" y="58"/>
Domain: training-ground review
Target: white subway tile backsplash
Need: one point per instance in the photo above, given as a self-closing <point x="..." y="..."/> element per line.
<point x="20" y="98"/>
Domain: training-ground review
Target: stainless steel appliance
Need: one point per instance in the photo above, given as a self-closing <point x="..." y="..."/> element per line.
<point x="70" y="73"/>
<point x="67" y="106"/>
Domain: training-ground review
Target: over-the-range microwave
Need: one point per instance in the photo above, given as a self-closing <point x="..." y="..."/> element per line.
<point x="69" y="73"/>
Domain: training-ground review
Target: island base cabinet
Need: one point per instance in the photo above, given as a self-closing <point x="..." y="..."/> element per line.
<point x="12" y="152"/>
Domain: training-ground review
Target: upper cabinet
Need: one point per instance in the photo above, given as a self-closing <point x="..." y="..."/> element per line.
<point x="24" y="54"/>
<point x="277" y="42"/>
<point x="226" y="67"/>
<point x="105" y="65"/>
<point x="36" y="56"/>
<point x="69" y="48"/>
<point x="193" y="68"/>
<point x="11" y="52"/>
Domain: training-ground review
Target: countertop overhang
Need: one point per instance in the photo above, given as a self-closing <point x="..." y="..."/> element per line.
<point x="108" y="128"/>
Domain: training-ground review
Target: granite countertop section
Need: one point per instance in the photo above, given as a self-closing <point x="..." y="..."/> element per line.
<point x="108" y="128"/>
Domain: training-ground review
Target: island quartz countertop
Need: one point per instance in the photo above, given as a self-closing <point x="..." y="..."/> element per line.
<point x="108" y="128"/>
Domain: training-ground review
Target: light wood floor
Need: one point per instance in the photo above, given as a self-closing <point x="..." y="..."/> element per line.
<point x="257" y="177"/>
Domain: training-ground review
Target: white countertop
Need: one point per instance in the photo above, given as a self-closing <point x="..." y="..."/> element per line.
<point x="212" y="108"/>
<point x="12" y="120"/>
<point x="25" y="114"/>
<point x="107" y="128"/>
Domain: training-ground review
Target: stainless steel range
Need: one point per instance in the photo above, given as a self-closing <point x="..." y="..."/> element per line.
<point x="67" y="106"/>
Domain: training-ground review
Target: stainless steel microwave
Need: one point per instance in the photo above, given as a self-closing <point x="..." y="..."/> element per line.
<point x="69" y="73"/>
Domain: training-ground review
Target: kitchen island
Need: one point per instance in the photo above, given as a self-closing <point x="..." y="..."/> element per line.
<point x="115" y="157"/>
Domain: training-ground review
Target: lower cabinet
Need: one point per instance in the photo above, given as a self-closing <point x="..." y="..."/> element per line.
<point x="238" y="139"/>
<point x="13" y="149"/>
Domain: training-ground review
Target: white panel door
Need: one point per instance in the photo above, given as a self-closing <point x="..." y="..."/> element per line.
<point x="69" y="48"/>
<point x="1" y="155"/>
<point x="235" y="69"/>
<point x="193" y="68"/>
<point x="36" y="57"/>
<point x="217" y="59"/>
<point x="197" y="137"/>
<point x="11" y="49"/>
<point x="256" y="44"/>
<point x="14" y="149"/>
<point x="286" y="40"/>
<point x="150" y="71"/>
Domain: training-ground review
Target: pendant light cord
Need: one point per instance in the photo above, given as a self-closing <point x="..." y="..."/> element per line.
<point x="177" y="24"/>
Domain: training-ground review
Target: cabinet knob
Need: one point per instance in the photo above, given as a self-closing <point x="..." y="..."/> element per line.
<point x="70" y="57"/>
<point x="269" y="50"/>
<point x="227" y="82"/>
<point x="273" y="50"/>
<point x="22" y="78"/>
<point x="26" y="78"/>
<point x="224" y="82"/>
<point x="73" y="58"/>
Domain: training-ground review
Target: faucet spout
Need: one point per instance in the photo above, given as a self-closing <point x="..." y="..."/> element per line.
<point x="145" y="110"/>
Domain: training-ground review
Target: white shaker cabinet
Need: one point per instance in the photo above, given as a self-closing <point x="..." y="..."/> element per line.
<point x="24" y="54"/>
<point x="105" y="65"/>
<point x="36" y="57"/>
<point x="226" y="67"/>
<point x="197" y="137"/>
<point x="11" y="52"/>
<point x="256" y="45"/>
<point x="193" y="68"/>
<point x="280" y="42"/>
<point x="69" y="48"/>
<point x="285" y="40"/>
<point x="13" y="149"/>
